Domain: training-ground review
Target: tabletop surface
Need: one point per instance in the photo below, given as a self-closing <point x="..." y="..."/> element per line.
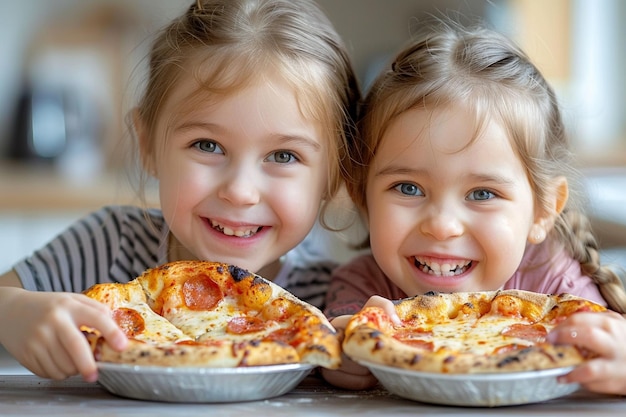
<point x="31" y="395"/>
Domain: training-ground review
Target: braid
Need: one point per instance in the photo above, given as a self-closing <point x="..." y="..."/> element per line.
<point x="576" y="229"/>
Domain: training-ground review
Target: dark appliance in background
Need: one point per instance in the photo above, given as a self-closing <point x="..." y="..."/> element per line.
<point x="43" y="124"/>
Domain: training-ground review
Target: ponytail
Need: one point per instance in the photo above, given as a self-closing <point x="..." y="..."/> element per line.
<point x="575" y="228"/>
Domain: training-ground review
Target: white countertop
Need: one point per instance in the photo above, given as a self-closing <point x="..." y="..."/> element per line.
<point x="9" y="366"/>
<point x="30" y="395"/>
<point x="22" y="393"/>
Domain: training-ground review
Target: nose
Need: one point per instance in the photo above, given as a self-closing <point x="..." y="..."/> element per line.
<point x="239" y="187"/>
<point x="441" y="223"/>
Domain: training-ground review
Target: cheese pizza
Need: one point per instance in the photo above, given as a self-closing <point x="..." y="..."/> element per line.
<point x="474" y="332"/>
<point x="200" y="313"/>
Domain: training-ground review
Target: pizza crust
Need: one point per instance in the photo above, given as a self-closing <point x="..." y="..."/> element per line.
<point x="463" y="332"/>
<point x="226" y="354"/>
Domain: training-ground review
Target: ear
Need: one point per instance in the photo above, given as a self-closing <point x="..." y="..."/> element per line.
<point x="544" y="222"/>
<point x="146" y="151"/>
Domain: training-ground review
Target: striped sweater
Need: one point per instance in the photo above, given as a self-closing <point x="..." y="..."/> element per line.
<point x="117" y="243"/>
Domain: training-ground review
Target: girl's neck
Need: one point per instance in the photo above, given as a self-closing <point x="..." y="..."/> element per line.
<point x="270" y="271"/>
<point x="177" y="252"/>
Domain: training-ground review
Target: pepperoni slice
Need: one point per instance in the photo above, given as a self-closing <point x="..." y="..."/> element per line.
<point x="287" y="336"/>
<point x="418" y="343"/>
<point x="531" y="332"/>
<point x="129" y="320"/>
<point x="412" y="336"/>
<point x="201" y="293"/>
<point x="245" y="324"/>
<point x="509" y="348"/>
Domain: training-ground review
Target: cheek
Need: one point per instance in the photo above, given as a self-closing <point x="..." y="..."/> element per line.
<point x="386" y="216"/>
<point x="180" y="191"/>
<point x="297" y="196"/>
<point x="386" y="236"/>
<point x="296" y="202"/>
<point x="504" y="244"/>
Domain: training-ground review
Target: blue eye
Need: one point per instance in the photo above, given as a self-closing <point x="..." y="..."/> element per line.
<point x="208" y="146"/>
<point x="409" y="189"/>
<point x="282" y="157"/>
<point x="481" y="195"/>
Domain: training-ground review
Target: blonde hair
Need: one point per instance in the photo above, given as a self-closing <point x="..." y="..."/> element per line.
<point x="492" y="77"/>
<point x="226" y="44"/>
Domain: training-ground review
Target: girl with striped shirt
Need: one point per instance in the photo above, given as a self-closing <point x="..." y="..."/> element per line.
<point x="244" y="121"/>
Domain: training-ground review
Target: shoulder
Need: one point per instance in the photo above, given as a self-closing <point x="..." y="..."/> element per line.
<point x="363" y="268"/>
<point x="354" y="282"/>
<point x="550" y="269"/>
<point x="306" y="273"/>
<point x="307" y="281"/>
<point x="112" y="244"/>
<point x="130" y="215"/>
<point x="126" y="223"/>
<point x="137" y="238"/>
<point x="364" y="263"/>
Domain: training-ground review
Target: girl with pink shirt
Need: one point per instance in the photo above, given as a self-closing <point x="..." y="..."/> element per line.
<point x="464" y="181"/>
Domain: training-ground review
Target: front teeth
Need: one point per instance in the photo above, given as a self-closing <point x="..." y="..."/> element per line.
<point x="445" y="270"/>
<point x="230" y="232"/>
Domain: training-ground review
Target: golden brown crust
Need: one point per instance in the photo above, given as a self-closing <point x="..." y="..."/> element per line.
<point x="199" y="313"/>
<point x="479" y="332"/>
<point x="223" y="355"/>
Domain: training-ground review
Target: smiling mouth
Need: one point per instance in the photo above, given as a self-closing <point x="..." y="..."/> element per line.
<point x="443" y="270"/>
<point x="245" y="233"/>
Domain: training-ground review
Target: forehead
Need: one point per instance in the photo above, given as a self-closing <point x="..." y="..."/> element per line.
<point x="443" y="132"/>
<point x="203" y="82"/>
<point x="260" y="110"/>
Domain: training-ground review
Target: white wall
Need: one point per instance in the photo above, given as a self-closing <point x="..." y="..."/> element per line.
<point x="597" y="100"/>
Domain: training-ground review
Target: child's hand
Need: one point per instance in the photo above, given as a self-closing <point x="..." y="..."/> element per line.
<point x="386" y="305"/>
<point x="41" y="330"/>
<point x="605" y="335"/>
<point x="350" y="374"/>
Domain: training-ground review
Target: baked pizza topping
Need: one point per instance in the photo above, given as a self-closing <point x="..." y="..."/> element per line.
<point x="494" y="331"/>
<point x="199" y="313"/>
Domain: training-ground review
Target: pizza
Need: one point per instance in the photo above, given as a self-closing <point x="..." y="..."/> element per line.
<point x="472" y="332"/>
<point x="200" y="313"/>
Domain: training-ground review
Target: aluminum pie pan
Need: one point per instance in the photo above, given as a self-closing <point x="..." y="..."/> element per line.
<point x="473" y="390"/>
<point x="200" y="384"/>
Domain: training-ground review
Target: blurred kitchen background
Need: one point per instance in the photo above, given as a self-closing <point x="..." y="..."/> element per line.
<point x="72" y="69"/>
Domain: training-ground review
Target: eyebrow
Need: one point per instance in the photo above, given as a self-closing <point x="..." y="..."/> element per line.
<point x="304" y="140"/>
<point x="283" y="138"/>
<point x="392" y="170"/>
<point x="493" y="178"/>
<point x="398" y="170"/>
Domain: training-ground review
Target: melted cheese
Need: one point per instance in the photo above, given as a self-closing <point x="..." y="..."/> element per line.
<point x="211" y="324"/>
<point x="157" y="328"/>
<point x="482" y="336"/>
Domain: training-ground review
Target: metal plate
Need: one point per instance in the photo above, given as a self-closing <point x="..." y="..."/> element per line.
<point x="194" y="384"/>
<point x="473" y="390"/>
